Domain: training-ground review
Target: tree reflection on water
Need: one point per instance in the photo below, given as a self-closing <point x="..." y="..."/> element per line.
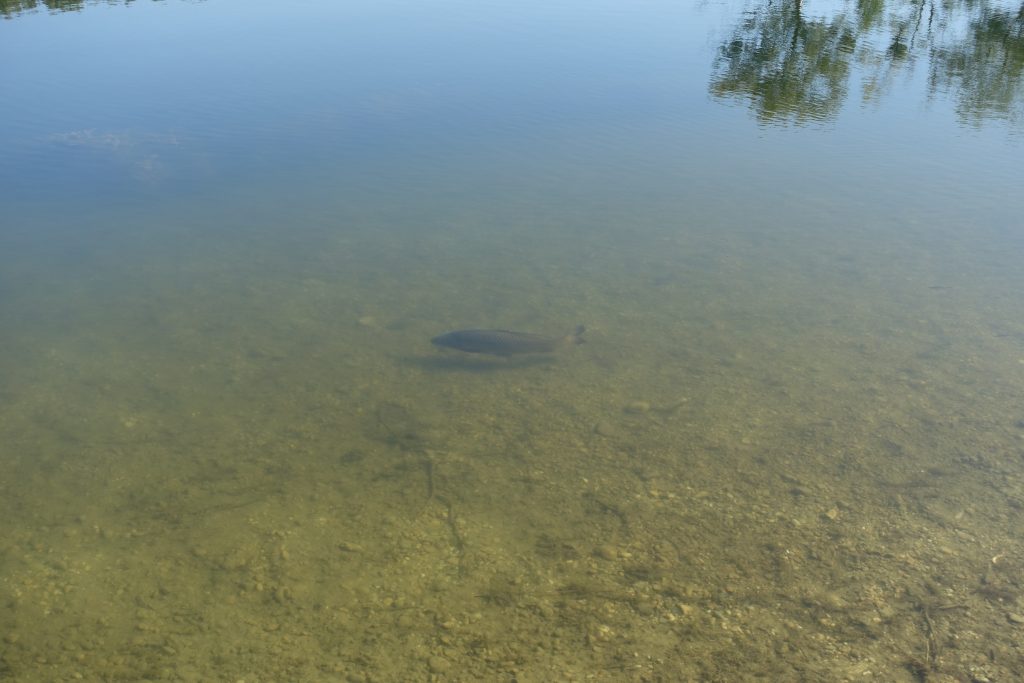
<point x="9" y="8"/>
<point x="792" y="67"/>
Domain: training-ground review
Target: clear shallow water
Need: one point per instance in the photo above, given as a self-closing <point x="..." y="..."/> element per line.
<point x="790" y="447"/>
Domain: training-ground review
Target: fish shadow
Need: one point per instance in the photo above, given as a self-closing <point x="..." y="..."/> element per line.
<point x="477" y="364"/>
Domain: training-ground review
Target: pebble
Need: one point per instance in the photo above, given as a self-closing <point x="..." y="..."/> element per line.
<point x="606" y="429"/>
<point x="438" y="665"/>
<point x="644" y="608"/>
<point x="637" y="407"/>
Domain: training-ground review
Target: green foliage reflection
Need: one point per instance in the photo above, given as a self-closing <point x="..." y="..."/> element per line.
<point x="9" y="8"/>
<point x="793" y="68"/>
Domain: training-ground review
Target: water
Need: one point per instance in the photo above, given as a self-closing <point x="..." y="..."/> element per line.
<point x="790" y="448"/>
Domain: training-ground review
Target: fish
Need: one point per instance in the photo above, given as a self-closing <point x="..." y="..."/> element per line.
<point x="505" y="342"/>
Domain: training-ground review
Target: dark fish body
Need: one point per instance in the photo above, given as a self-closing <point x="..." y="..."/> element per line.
<point x="505" y="342"/>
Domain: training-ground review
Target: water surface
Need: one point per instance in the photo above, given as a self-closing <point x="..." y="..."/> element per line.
<point x="791" y="447"/>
